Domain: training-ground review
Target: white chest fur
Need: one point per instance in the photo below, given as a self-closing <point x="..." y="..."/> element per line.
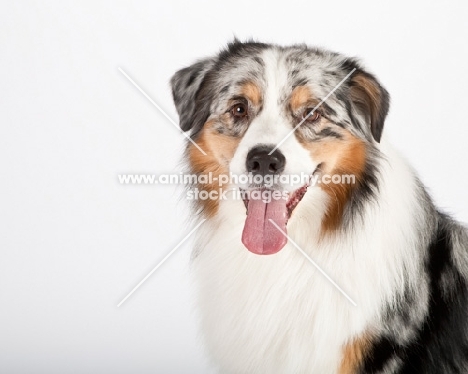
<point x="278" y="314"/>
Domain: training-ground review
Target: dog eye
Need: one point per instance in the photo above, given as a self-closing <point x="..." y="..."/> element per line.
<point x="239" y="110"/>
<point x="311" y="118"/>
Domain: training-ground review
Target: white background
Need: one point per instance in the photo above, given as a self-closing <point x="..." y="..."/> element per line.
<point x="74" y="242"/>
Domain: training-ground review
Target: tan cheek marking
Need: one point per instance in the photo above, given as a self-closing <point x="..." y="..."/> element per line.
<point x="342" y="157"/>
<point x="219" y="150"/>
<point x="251" y="91"/>
<point x="354" y="354"/>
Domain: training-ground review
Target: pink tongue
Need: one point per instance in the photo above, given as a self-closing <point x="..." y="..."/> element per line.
<point x="260" y="236"/>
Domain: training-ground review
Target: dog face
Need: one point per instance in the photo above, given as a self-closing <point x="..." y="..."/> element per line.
<point x="271" y="112"/>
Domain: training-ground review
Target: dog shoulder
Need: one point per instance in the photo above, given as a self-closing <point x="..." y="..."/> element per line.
<point x="442" y="341"/>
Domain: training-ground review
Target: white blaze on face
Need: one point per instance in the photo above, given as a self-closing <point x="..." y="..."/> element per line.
<point x="271" y="127"/>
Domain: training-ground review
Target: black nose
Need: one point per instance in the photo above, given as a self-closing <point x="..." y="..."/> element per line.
<point x="259" y="161"/>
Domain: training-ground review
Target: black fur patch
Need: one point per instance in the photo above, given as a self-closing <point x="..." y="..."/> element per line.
<point x="441" y="343"/>
<point x="382" y="352"/>
<point x="328" y="132"/>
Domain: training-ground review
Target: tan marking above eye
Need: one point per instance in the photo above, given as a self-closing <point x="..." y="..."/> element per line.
<point x="301" y="96"/>
<point x="251" y="92"/>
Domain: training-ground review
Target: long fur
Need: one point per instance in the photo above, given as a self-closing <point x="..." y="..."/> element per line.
<point x="403" y="262"/>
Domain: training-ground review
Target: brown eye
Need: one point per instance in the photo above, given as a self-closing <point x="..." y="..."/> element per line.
<point x="310" y="118"/>
<point x="239" y="110"/>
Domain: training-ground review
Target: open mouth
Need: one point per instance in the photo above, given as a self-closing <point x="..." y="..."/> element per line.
<point x="260" y="236"/>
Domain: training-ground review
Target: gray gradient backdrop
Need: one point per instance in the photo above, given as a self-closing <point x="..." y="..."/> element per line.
<point x="74" y="242"/>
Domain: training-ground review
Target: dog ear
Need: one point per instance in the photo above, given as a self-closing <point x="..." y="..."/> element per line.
<point x="186" y="85"/>
<point x="370" y="99"/>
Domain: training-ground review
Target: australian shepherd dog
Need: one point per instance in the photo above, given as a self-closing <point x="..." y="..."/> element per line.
<point x="322" y="274"/>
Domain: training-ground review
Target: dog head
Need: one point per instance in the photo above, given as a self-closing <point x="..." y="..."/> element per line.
<point x="282" y="117"/>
